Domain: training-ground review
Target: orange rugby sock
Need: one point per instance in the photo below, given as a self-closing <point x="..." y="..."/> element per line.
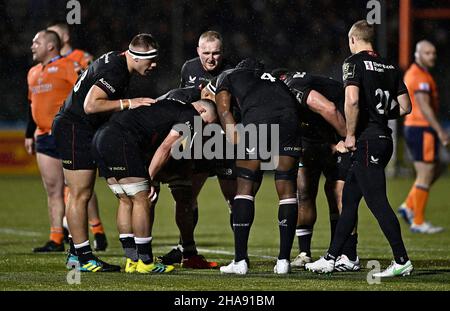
<point x="96" y="226"/>
<point x="57" y="235"/>
<point x="411" y="197"/>
<point x="420" y="202"/>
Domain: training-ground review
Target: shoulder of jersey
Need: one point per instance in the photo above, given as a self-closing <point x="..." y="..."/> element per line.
<point x="34" y="68"/>
<point x="192" y="62"/>
<point x="354" y="58"/>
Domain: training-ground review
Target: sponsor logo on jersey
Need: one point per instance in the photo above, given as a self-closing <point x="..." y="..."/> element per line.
<point x="107" y="85"/>
<point x="378" y="67"/>
<point x="52" y="69"/>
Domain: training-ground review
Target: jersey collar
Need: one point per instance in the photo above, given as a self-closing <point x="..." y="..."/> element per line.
<point x="370" y="52"/>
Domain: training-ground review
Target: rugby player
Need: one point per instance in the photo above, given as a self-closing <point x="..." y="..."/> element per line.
<point x="264" y="101"/>
<point x="49" y="83"/>
<point x="138" y="133"/>
<point x="97" y="94"/>
<point x="197" y="72"/>
<point x="321" y="101"/>
<point x="81" y="60"/>
<point x="374" y="92"/>
<point x="423" y="134"/>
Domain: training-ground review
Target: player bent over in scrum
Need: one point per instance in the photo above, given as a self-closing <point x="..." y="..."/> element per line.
<point x="267" y="101"/>
<point x="122" y="148"/>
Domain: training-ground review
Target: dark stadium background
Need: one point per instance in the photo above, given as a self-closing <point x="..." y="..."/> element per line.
<point x="301" y="35"/>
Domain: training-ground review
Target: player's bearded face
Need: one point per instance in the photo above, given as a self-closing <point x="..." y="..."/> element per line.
<point x="210" y="53"/>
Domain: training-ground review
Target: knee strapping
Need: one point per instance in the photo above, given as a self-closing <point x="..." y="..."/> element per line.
<point x="134" y="188"/>
<point x="286" y="175"/>
<point x="245" y="173"/>
<point x="116" y="189"/>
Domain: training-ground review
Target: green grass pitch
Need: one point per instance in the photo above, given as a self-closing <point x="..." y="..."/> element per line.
<point x="24" y="225"/>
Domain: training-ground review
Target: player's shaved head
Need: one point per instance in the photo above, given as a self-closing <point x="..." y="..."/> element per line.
<point x="207" y="110"/>
<point x="144" y="42"/>
<point x="46" y="45"/>
<point x="425" y="54"/>
<point x="62" y="25"/>
<point x="423" y="45"/>
<point x="362" y="30"/>
<point x="62" y="29"/>
<point x="52" y="38"/>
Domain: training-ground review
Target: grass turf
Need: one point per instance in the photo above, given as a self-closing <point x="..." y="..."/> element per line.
<point x="24" y="225"/>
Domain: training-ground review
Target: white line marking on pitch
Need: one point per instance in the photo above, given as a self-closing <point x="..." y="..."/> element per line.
<point x="211" y="251"/>
<point x="19" y="232"/>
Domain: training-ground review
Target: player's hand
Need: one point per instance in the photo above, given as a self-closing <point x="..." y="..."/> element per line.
<point x="29" y="145"/>
<point x="350" y="143"/>
<point x="340" y="147"/>
<point x="152" y="195"/>
<point x="444" y="138"/>
<point x="141" y="101"/>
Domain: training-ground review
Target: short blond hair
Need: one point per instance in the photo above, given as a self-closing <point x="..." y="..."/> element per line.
<point x="210" y="35"/>
<point x="362" y="30"/>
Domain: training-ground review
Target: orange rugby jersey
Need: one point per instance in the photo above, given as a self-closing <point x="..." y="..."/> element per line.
<point x="80" y="58"/>
<point x="48" y="87"/>
<point x="418" y="79"/>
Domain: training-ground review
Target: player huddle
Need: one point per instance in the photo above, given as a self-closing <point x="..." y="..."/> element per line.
<point x="322" y="126"/>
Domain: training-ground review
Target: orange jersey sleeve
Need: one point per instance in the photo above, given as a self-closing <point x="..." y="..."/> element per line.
<point x="419" y="80"/>
<point x="48" y="87"/>
<point x="81" y="59"/>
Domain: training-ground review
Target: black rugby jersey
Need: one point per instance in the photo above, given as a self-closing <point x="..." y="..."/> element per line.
<point x="110" y="73"/>
<point x="149" y="125"/>
<point x="193" y="73"/>
<point x="379" y="84"/>
<point x="184" y="95"/>
<point x="314" y="127"/>
<point x="258" y="94"/>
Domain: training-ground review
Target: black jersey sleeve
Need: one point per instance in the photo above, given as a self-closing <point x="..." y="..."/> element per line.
<point x="401" y="88"/>
<point x="183" y="78"/>
<point x="223" y="83"/>
<point x="112" y="82"/>
<point x="352" y="73"/>
<point x="185" y="122"/>
<point x="212" y="85"/>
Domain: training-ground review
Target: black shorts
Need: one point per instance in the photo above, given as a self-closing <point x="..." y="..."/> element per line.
<point x="46" y="144"/>
<point x="73" y="142"/>
<point x="117" y="154"/>
<point x="226" y="169"/>
<point x="318" y="156"/>
<point x="175" y="173"/>
<point x="260" y="143"/>
<point x="373" y="152"/>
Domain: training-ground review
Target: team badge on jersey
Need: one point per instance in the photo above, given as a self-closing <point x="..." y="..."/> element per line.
<point x="348" y="71"/>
